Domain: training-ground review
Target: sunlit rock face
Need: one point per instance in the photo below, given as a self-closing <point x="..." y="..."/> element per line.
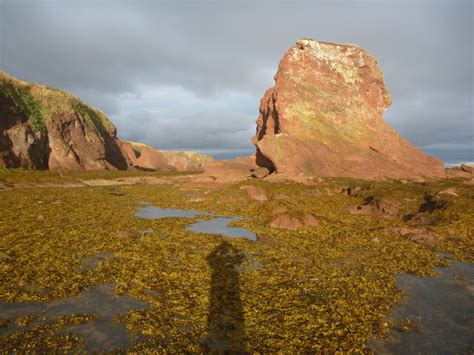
<point x="148" y="158"/>
<point x="324" y="117"/>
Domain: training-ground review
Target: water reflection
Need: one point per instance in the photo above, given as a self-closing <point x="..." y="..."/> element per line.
<point x="218" y="225"/>
<point x="103" y="334"/>
<point x="442" y="308"/>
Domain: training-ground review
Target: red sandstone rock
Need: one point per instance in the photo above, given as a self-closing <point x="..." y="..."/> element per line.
<point x="286" y="222"/>
<point x="311" y="221"/>
<point x="254" y="193"/>
<point x="44" y="128"/>
<point x="226" y="171"/>
<point x="418" y="235"/>
<point x="449" y="191"/>
<point x="149" y="158"/>
<point x="324" y="117"/>
<point x="358" y="209"/>
<point x="467" y="168"/>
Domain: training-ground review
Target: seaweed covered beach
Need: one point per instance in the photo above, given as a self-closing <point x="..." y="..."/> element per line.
<point x="81" y="270"/>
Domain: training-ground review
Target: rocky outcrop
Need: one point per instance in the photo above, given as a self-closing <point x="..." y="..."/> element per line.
<point x="227" y="171"/>
<point x="324" y="117"/>
<point x="46" y="128"/>
<point x="148" y="158"/>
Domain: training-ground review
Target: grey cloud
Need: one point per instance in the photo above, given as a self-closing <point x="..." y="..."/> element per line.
<point x="209" y="132"/>
<point x="227" y="53"/>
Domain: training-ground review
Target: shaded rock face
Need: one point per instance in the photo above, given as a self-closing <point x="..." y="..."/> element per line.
<point x="43" y="128"/>
<point x="20" y="144"/>
<point x="324" y="117"/>
<point x="46" y="128"/>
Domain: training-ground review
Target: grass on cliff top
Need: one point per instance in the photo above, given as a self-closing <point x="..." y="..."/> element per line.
<point x="322" y="289"/>
<point x="39" y="103"/>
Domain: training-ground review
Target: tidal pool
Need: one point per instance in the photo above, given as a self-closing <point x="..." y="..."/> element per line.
<point x="441" y="309"/>
<point x="218" y="225"/>
<point x="101" y="334"/>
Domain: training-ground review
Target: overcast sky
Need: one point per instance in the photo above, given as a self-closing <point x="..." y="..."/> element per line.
<point x="189" y="75"/>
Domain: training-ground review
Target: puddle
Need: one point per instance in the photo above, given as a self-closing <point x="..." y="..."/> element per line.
<point x="99" y="335"/>
<point x="218" y="225"/>
<point x="441" y="307"/>
<point x="221" y="226"/>
<point x="153" y="212"/>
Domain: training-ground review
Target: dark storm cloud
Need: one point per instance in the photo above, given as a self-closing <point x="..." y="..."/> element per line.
<point x="189" y="75"/>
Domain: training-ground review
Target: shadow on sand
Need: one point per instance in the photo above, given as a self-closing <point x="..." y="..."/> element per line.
<point x="225" y="322"/>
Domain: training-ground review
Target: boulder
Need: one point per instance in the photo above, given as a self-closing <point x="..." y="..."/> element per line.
<point x="451" y="191"/>
<point x="259" y="172"/>
<point x="358" y="209"/>
<point x="254" y="193"/>
<point x="467" y="168"/>
<point x="324" y="117"/>
<point x="226" y="171"/>
<point x="418" y="235"/>
<point x="286" y="222"/>
<point x="386" y="207"/>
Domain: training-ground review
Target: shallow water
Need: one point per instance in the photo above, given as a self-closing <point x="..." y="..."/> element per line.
<point x="443" y="309"/>
<point x="102" y="334"/>
<point x="218" y="225"/>
<point x="221" y="226"/>
<point x="153" y="212"/>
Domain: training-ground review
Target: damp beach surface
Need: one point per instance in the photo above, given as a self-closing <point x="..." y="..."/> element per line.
<point x="100" y="332"/>
<point x="87" y="269"/>
<point x="437" y="315"/>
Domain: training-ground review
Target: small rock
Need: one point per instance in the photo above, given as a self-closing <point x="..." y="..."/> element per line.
<point x="358" y="209"/>
<point x="422" y="219"/>
<point x="347" y="190"/>
<point x="280" y="210"/>
<point x="311" y="221"/>
<point x="123" y="234"/>
<point x="418" y="235"/>
<point x="197" y="199"/>
<point x="40" y="218"/>
<point x="451" y="191"/>
<point x="254" y="193"/>
<point x="286" y="222"/>
<point x="147" y="232"/>
<point x="467" y="168"/>
<point x="259" y="172"/>
<point x="387" y="208"/>
<point x="281" y="197"/>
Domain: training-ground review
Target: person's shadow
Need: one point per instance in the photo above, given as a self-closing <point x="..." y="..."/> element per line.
<point x="225" y="321"/>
